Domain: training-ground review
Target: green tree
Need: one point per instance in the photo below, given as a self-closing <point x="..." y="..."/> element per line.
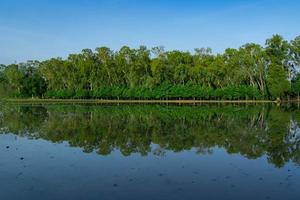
<point x="296" y="86"/>
<point x="33" y="84"/>
<point x="277" y="81"/>
<point x="250" y="71"/>
<point x="14" y="75"/>
<point x="278" y="52"/>
<point x="295" y="52"/>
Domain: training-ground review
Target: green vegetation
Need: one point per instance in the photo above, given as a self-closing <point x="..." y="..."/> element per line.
<point x="251" y="72"/>
<point x="250" y="130"/>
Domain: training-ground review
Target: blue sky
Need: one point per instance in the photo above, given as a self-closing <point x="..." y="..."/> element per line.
<point x="40" y="29"/>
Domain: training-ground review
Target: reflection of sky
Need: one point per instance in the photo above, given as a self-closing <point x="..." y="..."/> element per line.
<point x="57" y="171"/>
<point x="39" y="29"/>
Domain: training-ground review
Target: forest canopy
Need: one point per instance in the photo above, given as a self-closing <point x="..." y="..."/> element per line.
<point x="249" y="72"/>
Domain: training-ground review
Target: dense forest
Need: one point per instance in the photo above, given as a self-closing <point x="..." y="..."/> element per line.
<point x="250" y="72"/>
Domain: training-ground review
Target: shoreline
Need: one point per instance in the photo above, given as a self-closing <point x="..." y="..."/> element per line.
<point x="104" y="101"/>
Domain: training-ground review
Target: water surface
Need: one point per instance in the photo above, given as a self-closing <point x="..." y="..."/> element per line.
<point x="149" y="152"/>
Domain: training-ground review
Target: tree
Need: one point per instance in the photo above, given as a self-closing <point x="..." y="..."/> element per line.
<point x="13" y="75"/>
<point x="295" y="52"/>
<point x="33" y="85"/>
<point x="277" y="81"/>
<point x="251" y="71"/>
<point x="253" y="65"/>
<point x="296" y="86"/>
<point x="108" y="73"/>
<point x="54" y="73"/>
<point x="278" y="52"/>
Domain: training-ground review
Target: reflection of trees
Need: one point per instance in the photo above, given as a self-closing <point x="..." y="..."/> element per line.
<point x="251" y="131"/>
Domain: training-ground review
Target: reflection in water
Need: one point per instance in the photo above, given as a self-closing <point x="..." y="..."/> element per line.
<point x="252" y="131"/>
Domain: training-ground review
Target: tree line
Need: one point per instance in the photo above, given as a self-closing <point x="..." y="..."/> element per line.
<point x="249" y="72"/>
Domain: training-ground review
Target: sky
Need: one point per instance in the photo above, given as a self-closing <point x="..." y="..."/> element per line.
<point x="41" y="29"/>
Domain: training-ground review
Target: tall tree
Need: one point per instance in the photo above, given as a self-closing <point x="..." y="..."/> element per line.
<point x="278" y="52"/>
<point x="277" y="81"/>
<point x="14" y="75"/>
<point x="33" y="84"/>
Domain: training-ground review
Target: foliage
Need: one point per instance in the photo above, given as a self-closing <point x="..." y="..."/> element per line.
<point x="296" y="86"/>
<point x="277" y="81"/>
<point x="249" y="72"/>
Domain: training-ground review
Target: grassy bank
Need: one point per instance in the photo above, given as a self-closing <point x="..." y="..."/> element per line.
<point x="103" y="101"/>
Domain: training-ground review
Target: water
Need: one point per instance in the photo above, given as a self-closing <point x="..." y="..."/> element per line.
<point x="149" y="152"/>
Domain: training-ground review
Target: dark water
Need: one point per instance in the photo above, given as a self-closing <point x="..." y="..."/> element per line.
<point x="149" y="152"/>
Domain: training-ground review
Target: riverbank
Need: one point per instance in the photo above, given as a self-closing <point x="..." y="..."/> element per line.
<point x="104" y="101"/>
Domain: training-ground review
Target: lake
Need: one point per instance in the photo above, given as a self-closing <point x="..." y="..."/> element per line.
<point x="146" y="152"/>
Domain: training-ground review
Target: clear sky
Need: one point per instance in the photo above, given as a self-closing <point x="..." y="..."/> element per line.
<point x="40" y="29"/>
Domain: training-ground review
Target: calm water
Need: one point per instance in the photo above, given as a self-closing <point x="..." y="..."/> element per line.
<point x="149" y="152"/>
